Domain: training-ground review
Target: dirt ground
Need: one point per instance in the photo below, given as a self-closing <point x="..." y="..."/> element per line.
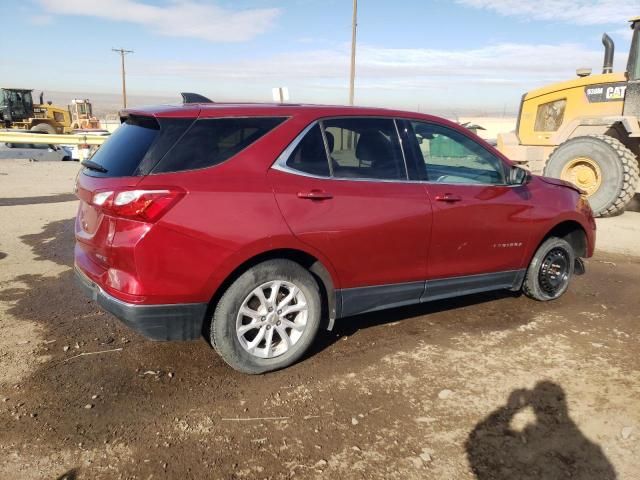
<point x="484" y="387"/>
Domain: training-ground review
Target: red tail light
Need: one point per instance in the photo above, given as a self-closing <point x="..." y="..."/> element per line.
<point x="144" y="205"/>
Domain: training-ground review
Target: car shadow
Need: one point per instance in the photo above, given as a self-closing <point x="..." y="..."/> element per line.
<point x="61" y="197"/>
<point x="348" y="326"/>
<point x="553" y="447"/>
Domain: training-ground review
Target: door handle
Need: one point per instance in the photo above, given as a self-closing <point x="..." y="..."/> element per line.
<point x="315" y="195"/>
<point x="449" y="198"/>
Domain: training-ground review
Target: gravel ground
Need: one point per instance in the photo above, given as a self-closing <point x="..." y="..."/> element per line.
<point x="489" y="386"/>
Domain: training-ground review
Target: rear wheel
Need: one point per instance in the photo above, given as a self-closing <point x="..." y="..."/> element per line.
<point x="550" y="271"/>
<point x="267" y="318"/>
<point x="601" y="166"/>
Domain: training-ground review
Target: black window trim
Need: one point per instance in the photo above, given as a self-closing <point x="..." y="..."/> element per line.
<point x="327" y="153"/>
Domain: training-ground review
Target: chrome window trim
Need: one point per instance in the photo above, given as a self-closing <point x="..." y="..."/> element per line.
<point x="286" y="169"/>
<point x="280" y="163"/>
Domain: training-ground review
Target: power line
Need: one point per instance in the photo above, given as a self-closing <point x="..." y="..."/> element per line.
<point x="122" y="53"/>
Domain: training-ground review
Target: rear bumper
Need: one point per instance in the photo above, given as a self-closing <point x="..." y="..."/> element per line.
<point x="156" y="322"/>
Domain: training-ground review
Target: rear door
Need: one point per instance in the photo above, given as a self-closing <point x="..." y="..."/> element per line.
<point x="480" y="223"/>
<point x="358" y="209"/>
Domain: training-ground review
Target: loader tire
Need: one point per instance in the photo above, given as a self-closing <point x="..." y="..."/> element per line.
<point x="44" y="128"/>
<point x="602" y="166"/>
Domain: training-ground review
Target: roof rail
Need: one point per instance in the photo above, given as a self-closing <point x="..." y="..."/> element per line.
<point x="188" y="97"/>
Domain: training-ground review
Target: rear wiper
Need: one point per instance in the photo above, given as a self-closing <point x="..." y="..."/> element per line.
<point x="91" y="165"/>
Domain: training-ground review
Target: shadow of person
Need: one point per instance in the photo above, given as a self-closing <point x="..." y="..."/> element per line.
<point x="551" y="448"/>
<point x="70" y="475"/>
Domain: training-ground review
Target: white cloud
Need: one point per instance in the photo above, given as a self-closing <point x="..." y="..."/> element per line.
<point x="502" y="63"/>
<point x="177" y="18"/>
<point x="579" y="12"/>
<point x="489" y="76"/>
<point x="41" y="20"/>
<point x="625" y="33"/>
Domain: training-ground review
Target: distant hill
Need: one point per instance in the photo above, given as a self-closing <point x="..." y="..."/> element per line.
<point x="111" y="103"/>
<point x="105" y="103"/>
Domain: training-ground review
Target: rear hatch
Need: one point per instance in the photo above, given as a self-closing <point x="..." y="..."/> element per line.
<point x="118" y="165"/>
<point x="119" y="206"/>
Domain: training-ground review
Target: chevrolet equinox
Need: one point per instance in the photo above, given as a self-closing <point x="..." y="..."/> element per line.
<point x="256" y="224"/>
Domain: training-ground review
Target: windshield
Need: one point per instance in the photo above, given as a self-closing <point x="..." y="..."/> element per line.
<point x="21" y="97"/>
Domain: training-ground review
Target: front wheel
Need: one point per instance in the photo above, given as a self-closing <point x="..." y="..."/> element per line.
<point x="601" y="166"/>
<point x="550" y="270"/>
<point x="267" y="318"/>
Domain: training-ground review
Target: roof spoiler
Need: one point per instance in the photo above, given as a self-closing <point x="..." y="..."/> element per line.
<point x="188" y="97"/>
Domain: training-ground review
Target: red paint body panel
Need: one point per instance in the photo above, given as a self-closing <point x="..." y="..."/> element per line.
<point x="487" y="230"/>
<point x="385" y="226"/>
<point x="555" y="204"/>
<point x="368" y="233"/>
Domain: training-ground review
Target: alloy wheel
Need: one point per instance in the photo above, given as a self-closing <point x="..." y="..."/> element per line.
<point x="272" y="319"/>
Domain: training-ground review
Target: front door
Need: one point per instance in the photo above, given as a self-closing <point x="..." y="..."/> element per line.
<point x="480" y="223"/>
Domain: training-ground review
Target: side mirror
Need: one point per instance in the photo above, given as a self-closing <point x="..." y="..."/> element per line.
<point x="519" y="176"/>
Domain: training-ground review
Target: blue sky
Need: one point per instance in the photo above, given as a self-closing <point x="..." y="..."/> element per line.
<point x="427" y="55"/>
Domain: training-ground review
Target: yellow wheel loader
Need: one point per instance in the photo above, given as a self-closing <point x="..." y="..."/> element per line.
<point x="585" y="130"/>
<point x="17" y="110"/>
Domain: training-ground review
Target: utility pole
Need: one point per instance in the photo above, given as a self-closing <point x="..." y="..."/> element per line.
<point x="122" y="53"/>
<point x="354" y="25"/>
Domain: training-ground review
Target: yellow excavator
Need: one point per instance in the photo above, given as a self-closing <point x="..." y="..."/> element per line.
<point x="585" y="130"/>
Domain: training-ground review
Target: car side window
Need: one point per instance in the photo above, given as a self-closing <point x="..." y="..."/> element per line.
<point x="447" y="156"/>
<point x="365" y="148"/>
<point x="310" y="156"/>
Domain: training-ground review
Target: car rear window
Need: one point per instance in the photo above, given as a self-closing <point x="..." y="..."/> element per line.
<point x="121" y="154"/>
<point x="209" y="142"/>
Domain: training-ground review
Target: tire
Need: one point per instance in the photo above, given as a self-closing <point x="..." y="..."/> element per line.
<point x="618" y="166"/>
<point x="226" y="320"/>
<point x="539" y="283"/>
<point x="44" y="128"/>
<point x="8" y="145"/>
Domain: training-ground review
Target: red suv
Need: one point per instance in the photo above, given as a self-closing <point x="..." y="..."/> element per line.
<point x="254" y="224"/>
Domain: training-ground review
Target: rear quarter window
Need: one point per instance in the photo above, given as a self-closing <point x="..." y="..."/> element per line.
<point x="209" y="142"/>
